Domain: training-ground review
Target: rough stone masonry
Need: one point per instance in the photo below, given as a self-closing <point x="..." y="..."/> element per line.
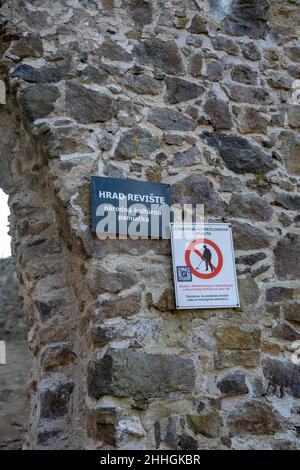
<point x="197" y="94"/>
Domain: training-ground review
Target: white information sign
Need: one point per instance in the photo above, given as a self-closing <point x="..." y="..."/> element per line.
<point x="204" y="266"/>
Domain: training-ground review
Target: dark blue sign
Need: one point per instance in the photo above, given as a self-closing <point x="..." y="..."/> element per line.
<point x="130" y="207"/>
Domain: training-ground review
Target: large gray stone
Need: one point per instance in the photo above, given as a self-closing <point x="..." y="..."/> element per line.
<point x="250" y="206"/>
<point x="143" y="83"/>
<point x="250" y="51"/>
<point x="247" y="18"/>
<point x="54" y="392"/>
<point x="163" y="55"/>
<point x="251" y="121"/>
<point x="233" y="384"/>
<point x="286" y="253"/>
<point x="136" y="143"/>
<point x="113" y="51"/>
<point x="170" y="120"/>
<point x="248" y="237"/>
<point x="198" y="25"/>
<point x="38" y="100"/>
<point x="282" y="377"/>
<point x="140" y="10"/>
<point x="250" y="94"/>
<point x="239" y="155"/>
<point x="187" y="157"/>
<point x="182" y="90"/>
<point x="290" y="147"/>
<point x="209" y="424"/>
<point x="289" y="201"/>
<point x="244" y="74"/>
<point x="218" y="113"/>
<point x="31" y="74"/>
<point x="277" y="294"/>
<point x="86" y="105"/>
<point x="99" y="279"/>
<point x="248" y="290"/>
<point x="198" y="190"/>
<point x="134" y="373"/>
<point x="222" y="43"/>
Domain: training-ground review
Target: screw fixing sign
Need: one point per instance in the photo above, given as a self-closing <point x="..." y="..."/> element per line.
<point x="204" y="266"/>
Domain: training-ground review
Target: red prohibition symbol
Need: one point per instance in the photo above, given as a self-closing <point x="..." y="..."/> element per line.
<point x="193" y="248"/>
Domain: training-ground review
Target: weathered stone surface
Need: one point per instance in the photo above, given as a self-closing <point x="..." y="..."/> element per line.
<point x="286" y="332"/>
<point x="248" y="237"/>
<point x="250" y="94"/>
<point x="182" y="90"/>
<point x="233" y="337"/>
<point x="233" y="384"/>
<point x="100" y="279"/>
<point x="294" y="116"/>
<point x="208" y="424"/>
<point x="113" y="51"/>
<point x="115" y="374"/>
<point x="57" y="354"/>
<point x="244" y="74"/>
<point x="247" y="19"/>
<point x="289" y="201"/>
<point x="239" y="154"/>
<point x="230" y="358"/>
<point x="12" y="316"/>
<point x="252" y="259"/>
<point x="250" y="120"/>
<point x="187" y="442"/>
<point x="140" y="10"/>
<point x="282" y="377"/>
<point x="38" y="100"/>
<point x="163" y="55"/>
<point x="277" y="294"/>
<point x="187" y="157"/>
<point x="170" y="120"/>
<point x="136" y="143"/>
<point x="255" y="417"/>
<point x="280" y="82"/>
<point x="223" y="43"/>
<point x="218" y="113"/>
<point x="195" y="65"/>
<point x="198" y="25"/>
<point x="198" y="190"/>
<point x="290" y="148"/>
<point x="143" y="84"/>
<point x="165" y="302"/>
<point x="214" y="70"/>
<point x="86" y="105"/>
<point x="250" y="51"/>
<point x="248" y="291"/>
<point x="286" y="257"/>
<point x="103" y="423"/>
<point x="292" y="312"/>
<point x="294" y="71"/>
<point x="250" y="206"/>
<point x="120" y="306"/>
<point x="55" y="390"/>
<point x="293" y="53"/>
<point x="29" y="46"/>
<point x="84" y="295"/>
<point x="31" y="74"/>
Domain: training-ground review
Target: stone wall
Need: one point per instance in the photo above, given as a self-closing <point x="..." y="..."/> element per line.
<point x="193" y="93"/>
<point x="14" y="375"/>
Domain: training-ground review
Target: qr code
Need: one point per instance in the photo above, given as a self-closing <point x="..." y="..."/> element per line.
<point x="184" y="274"/>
